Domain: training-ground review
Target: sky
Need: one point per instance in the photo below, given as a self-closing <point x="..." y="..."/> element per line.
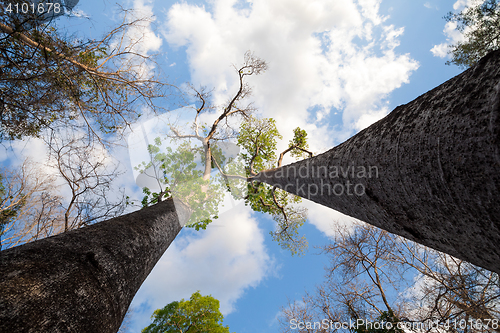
<point x="334" y="68"/>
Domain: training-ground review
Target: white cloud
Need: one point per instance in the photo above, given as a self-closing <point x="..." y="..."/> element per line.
<point x="224" y="260"/>
<point x="139" y="38"/>
<point x="322" y="56"/>
<point x="369" y="118"/>
<point x="429" y="5"/>
<point x="461" y="4"/>
<point x="453" y="36"/>
<point x="440" y="50"/>
<point x="143" y="33"/>
<point x="79" y="13"/>
<point x="370" y="10"/>
<point x="326" y="219"/>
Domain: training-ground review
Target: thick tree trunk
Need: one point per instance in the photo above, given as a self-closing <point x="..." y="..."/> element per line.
<point x="84" y="280"/>
<point x="429" y="171"/>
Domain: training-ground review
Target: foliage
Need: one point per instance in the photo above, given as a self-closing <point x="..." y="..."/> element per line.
<point x="480" y="25"/>
<point x="178" y="175"/>
<point x="258" y="137"/>
<point x="202" y="188"/>
<point x="299" y="143"/>
<point x="48" y="79"/>
<point x="199" y="314"/>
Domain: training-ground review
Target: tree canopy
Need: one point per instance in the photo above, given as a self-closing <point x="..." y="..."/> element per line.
<point x="197" y="169"/>
<point x="199" y="314"/>
<point x="480" y="25"/>
<point x="48" y="78"/>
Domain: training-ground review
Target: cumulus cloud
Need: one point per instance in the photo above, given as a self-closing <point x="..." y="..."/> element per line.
<point x="224" y="260"/>
<point x="144" y="36"/>
<point x="323" y="57"/>
<point x="326" y="219"/>
<point x="139" y="38"/>
<point x="453" y="36"/>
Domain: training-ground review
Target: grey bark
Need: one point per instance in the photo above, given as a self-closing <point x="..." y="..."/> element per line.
<point x="438" y="166"/>
<point x="84" y="280"/>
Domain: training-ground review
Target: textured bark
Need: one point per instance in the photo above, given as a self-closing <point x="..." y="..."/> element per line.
<point x="84" y="280"/>
<point x="438" y="169"/>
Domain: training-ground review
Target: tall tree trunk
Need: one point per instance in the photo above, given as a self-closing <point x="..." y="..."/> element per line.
<point x="84" y="280"/>
<point x="431" y="169"/>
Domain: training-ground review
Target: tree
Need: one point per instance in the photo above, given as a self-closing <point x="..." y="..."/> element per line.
<point x="177" y="173"/>
<point x="480" y="26"/>
<point x="428" y="171"/>
<point x="53" y="84"/>
<point x="371" y="279"/>
<point x="7" y="212"/>
<point x="198" y="314"/>
<point x="79" y="191"/>
<point x="84" y="280"/>
<point x="431" y="152"/>
<point x="29" y="208"/>
<point x="89" y="174"/>
<point x="49" y="80"/>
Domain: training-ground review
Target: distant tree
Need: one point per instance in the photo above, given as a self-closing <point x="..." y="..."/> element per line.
<point x="257" y="138"/>
<point x="7" y="211"/>
<point x="199" y="314"/>
<point x="480" y="25"/>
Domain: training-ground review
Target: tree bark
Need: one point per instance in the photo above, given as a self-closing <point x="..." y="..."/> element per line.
<point x="84" y="280"/>
<point x="432" y="169"/>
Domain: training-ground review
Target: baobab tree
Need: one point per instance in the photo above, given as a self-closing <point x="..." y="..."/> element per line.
<point x="84" y="280"/>
<point x="435" y="169"/>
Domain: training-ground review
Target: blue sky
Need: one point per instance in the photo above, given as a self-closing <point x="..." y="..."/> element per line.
<point x="335" y="67"/>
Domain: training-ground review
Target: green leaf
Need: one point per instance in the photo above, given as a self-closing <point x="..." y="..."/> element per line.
<point x="198" y="314"/>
